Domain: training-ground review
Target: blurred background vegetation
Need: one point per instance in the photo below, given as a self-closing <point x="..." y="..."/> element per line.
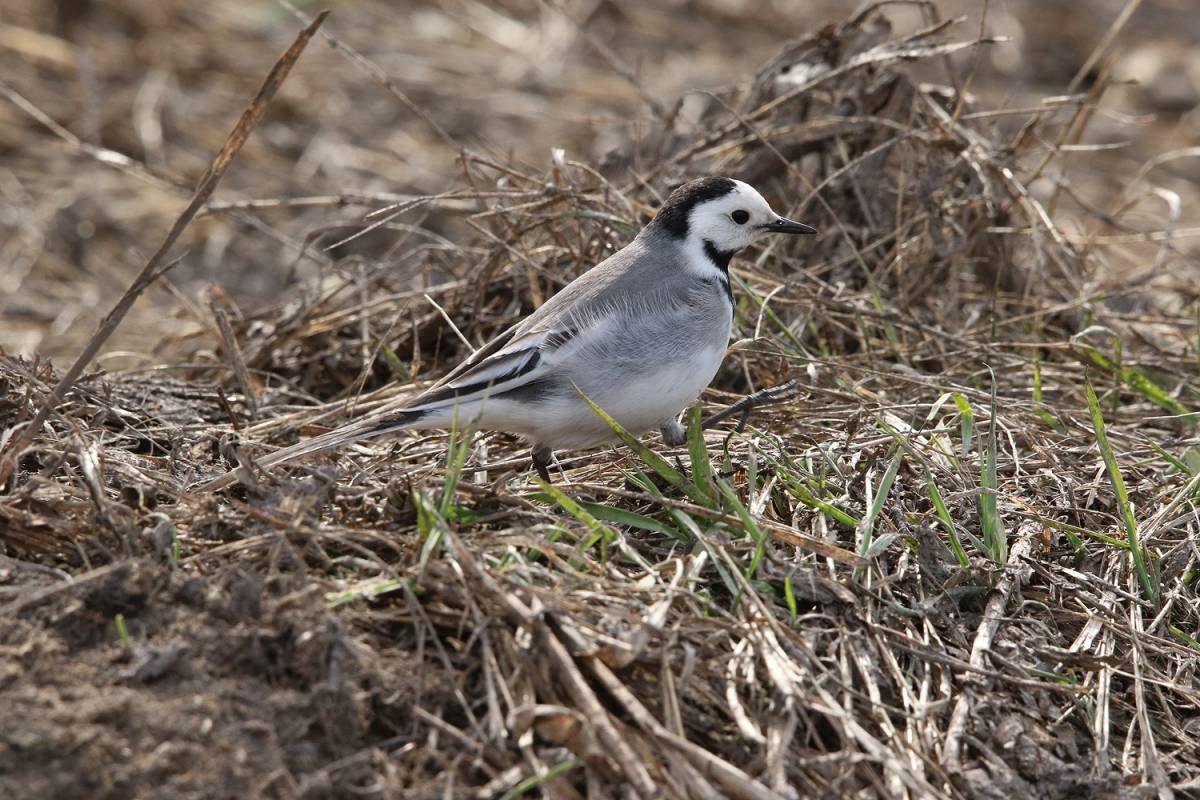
<point x="161" y="81"/>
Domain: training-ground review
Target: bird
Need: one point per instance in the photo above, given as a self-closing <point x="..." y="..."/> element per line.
<point x="642" y="334"/>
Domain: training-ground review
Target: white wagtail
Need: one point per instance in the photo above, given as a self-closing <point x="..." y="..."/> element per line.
<point x="641" y="334"/>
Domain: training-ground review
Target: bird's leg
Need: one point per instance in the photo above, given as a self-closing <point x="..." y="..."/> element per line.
<point x="541" y="461"/>
<point x="763" y="397"/>
<point x="673" y="433"/>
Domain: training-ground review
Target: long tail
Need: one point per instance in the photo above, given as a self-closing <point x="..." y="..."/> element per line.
<point x="346" y="435"/>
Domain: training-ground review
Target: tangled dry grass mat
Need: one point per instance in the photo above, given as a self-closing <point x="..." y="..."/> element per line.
<point x="961" y="563"/>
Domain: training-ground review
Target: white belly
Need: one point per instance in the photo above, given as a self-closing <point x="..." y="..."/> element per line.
<point x="652" y="399"/>
<point x="641" y="404"/>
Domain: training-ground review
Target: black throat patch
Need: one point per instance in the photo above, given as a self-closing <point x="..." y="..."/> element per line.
<point x="721" y="258"/>
<point x="673" y="216"/>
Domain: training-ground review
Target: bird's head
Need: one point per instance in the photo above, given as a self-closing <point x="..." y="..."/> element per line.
<point x="722" y="214"/>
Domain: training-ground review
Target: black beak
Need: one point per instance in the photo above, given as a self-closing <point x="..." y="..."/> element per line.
<point x="784" y="225"/>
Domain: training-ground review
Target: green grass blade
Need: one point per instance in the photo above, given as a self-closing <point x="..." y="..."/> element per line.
<point x="1039" y="407"/>
<point x="1074" y="531"/>
<point x="1178" y="464"/>
<point x="1140" y="382"/>
<point x="652" y="459"/>
<point x="1118" y="484"/>
<point x="576" y="510"/>
<point x="995" y="540"/>
<point x="806" y="496"/>
<point x="599" y="531"/>
<point x="122" y="631"/>
<point x="363" y="590"/>
<point x="631" y="519"/>
<point x="702" y="472"/>
<point x="943" y="515"/>
<point x="431" y="527"/>
<point x="684" y="521"/>
<point x="1191" y="457"/>
<point x="749" y="527"/>
<point x="968" y="422"/>
<point x="392" y="360"/>
<point x="456" y="459"/>
<point x="687" y="523"/>
<point x="789" y="596"/>
<point x="881" y="495"/>
<point x="793" y="483"/>
<point x="1182" y="636"/>
<point x="617" y="516"/>
<point x="880" y="545"/>
<point x="534" y="782"/>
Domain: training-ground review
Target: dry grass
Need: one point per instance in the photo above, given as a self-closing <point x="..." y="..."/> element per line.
<point x="962" y="563"/>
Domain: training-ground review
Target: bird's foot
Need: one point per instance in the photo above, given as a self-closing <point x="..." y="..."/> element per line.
<point x="763" y="397"/>
<point x="673" y="433"/>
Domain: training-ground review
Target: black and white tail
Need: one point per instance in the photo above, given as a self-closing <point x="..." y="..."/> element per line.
<point x="346" y="435"/>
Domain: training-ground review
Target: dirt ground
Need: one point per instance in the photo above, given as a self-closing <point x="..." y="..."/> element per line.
<point x="389" y="624"/>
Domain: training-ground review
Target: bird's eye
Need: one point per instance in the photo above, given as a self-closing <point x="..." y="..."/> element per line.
<point x="740" y="217"/>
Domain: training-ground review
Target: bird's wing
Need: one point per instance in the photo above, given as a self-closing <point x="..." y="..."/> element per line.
<point x="510" y="360"/>
<point x="514" y="357"/>
<point x="532" y="352"/>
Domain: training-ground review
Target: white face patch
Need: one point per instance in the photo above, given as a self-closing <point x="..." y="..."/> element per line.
<point x="731" y="221"/>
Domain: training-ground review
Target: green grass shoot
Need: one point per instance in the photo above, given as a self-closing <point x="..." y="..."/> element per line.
<point x="995" y="541"/>
<point x="881" y="495"/>
<point x="599" y="532"/>
<point x="943" y="516"/>
<point x="968" y="422"/>
<point x="122" y="631"/>
<point x="1118" y="484"/>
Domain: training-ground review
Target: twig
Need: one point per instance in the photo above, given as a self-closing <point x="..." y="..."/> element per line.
<point x="220" y="165"/>
<point x="1014" y="575"/>
<point x="234" y="353"/>
<point x="1104" y="45"/>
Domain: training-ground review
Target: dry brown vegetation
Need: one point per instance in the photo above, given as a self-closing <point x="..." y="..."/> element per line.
<point x="961" y="562"/>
